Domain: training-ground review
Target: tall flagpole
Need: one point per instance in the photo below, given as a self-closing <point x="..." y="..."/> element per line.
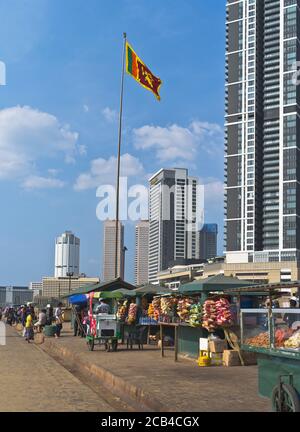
<point x="119" y="158"/>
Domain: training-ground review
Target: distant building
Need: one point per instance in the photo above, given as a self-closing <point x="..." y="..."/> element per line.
<point x="36" y="287"/>
<point x="272" y="272"/>
<point x="141" y="252"/>
<point x="208" y="241"/>
<point x="58" y="287"/>
<point x="180" y="274"/>
<point x="173" y="197"/>
<point x="15" y="295"/>
<point x="109" y="250"/>
<point x="67" y="252"/>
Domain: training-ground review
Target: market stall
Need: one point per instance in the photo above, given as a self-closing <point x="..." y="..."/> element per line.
<point x="212" y="301"/>
<point x="111" y="291"/>
<point x="274" y="334"/>
<point x="191" y="320"/>
<point x="133" y="312"/>
<point x="103" y="328"/>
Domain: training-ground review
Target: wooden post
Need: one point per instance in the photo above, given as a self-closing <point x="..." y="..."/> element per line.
<point x="161" y="340"/>
<point x="148" y="336"/>
<point x="176" y="343"/>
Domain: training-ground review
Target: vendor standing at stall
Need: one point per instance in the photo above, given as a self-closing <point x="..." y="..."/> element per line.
<point x="290" y="318"/>
<point x="102" y="307"/>
<point x="77" y="320"/>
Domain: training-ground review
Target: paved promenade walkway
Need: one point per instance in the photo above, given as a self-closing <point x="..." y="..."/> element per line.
<point x="182" y="386"/>
<point x="30" y="380"/>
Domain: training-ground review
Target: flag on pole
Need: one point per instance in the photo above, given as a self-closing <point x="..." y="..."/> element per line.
<point x="140" y="72"/>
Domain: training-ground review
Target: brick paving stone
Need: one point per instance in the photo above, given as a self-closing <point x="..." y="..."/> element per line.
<point x="32" y="381"/>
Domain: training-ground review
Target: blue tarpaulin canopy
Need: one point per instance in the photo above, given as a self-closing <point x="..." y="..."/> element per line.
<point x="78" y="299"/>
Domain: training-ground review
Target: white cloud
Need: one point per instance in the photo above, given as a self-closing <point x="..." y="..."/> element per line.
<point x="109" y="114"/>
<point x="175" y="142"/>
<point x="37" y="182"/>
<point x="86" y="108"/>
<point x="82" y="150"/>
<point x="53" y="172"/>
<point x="27" y="136"/>
<point x="103" y="171"/>
<point x="214" y="191"/>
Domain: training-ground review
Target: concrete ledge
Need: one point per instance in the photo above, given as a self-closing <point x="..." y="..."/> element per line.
<point x="116" y="385"/>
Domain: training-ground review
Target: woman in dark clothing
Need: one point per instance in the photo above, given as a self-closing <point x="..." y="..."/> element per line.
<point x="49" y="314"/>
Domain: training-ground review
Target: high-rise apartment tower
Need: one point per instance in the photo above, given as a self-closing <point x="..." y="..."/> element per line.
<point x="262" y="198"/>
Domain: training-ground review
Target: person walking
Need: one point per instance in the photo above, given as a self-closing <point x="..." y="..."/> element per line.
<point x="29" y="334"/>
<point x="41" y="321"/>
<point x="58" y="320"/>
<point x="49" y="314"/>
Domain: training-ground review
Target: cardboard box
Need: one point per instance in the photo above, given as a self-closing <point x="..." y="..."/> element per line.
<point x="217" y="346"/>
<point x="216" y="359"/>
<point x="231" y="358"/>
<point x="250" y="358"/>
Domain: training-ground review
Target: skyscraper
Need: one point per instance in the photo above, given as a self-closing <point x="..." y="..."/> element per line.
<point x="208" y="241"/>
<point x="172" y="213"/>
<point x="109" y="250"/>
<point x="67" y="252"/>
<point x="262" y="199"/>
<point x="141" y="252"/>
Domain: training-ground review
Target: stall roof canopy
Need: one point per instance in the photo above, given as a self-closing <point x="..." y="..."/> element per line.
<point x="214" y="283"/>
<point x="112" y="285"/>
<point x="125" y="292"/>
<point x="151" y="289"/>
<point x="267" y="288"/>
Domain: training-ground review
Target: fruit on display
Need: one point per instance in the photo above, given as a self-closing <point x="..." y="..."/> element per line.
<point x="281" y="336"/>
<point x="294" y="341"/>
<point x="122" y="310"/>
<point x="210" y="315"/>
<point x="151" y="311"/>
<point x="195" y="315"/>
<point x="167" y="305"/>
<point x="156" y="308"/>
<point x="261" y="340"/>
<point x="132" y="313"/>
<point x="183" y="308"/>
<point x="224" y="315"/>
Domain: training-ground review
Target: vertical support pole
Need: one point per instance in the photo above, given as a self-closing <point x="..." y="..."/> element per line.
<point x="270" y="320"/>
<point x="119" y="160"/>
<point x="176" y="342"/>
<point x="162" y="340"/>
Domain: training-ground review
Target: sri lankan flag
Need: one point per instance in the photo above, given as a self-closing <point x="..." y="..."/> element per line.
<point x="141" y="73"/>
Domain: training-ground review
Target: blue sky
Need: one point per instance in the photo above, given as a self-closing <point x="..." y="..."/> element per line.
<point x="58" y="117"/>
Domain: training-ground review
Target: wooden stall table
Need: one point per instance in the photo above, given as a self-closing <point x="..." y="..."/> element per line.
<point x="171" y="325"/>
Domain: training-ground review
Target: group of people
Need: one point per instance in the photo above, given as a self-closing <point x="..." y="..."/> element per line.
<point x="17" y="315"/>
<point x="33" y="321"/>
